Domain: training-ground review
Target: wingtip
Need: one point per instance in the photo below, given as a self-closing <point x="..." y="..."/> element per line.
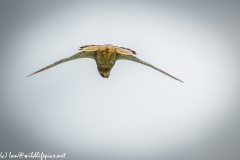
<point x="180" y="80"/>
<point x="30" y="75"/>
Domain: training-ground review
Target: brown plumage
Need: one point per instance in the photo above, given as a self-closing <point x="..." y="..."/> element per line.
<point x="105" y="57"/>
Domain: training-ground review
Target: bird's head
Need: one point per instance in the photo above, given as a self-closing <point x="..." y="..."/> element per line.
<point x="104" y="74"/>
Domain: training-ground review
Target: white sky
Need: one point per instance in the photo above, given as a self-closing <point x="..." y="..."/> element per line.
<point x="137" y="111"/>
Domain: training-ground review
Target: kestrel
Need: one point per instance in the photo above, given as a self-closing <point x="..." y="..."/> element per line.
<point x="105" y="57"/>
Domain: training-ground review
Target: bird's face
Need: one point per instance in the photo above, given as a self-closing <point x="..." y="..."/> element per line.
<point x="104" y="74"/>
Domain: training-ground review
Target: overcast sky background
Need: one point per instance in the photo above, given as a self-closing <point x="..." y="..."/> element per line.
<point x="137" y="113"/>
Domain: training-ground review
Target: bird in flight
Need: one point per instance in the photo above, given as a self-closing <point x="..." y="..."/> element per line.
<point x="105" y="57"/>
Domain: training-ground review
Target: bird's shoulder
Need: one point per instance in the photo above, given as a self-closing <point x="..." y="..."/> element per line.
<point x="119" y="50"/>
<point x="125" y="51"/>
<point x="89" y="47"/>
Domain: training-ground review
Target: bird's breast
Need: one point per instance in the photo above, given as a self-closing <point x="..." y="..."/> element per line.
<point x="105" y="59"/>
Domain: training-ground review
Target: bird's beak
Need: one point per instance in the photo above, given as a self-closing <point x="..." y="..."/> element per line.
<point x="105" y="74"/>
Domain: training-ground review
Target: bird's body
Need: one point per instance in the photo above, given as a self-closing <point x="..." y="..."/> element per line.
<point x="105" y="57"/>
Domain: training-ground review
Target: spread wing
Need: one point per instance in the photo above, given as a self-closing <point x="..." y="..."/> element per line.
<point x="135" y="59"/>
<point x="81" y="54"/>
